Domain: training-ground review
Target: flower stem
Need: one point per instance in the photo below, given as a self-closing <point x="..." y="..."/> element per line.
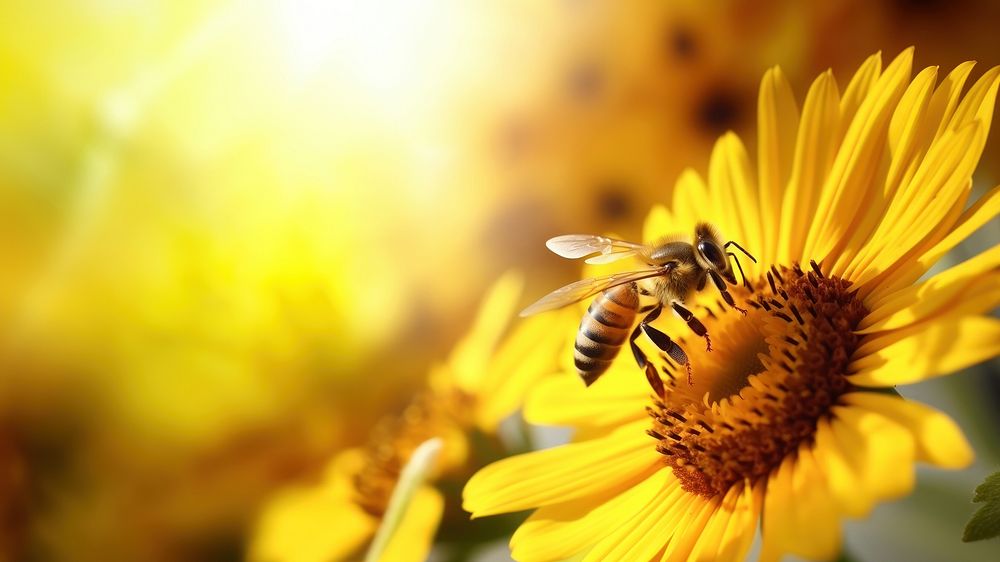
<point x="410" y="480"/>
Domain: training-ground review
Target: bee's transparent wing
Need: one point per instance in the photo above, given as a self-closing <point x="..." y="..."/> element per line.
<point x="575" y="246"/>
<point x="586" y="288"/>
<point x="610" y="257"/>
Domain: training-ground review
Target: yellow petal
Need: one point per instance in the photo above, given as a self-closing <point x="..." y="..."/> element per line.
<point x="559" y="531"/>
<point x="534" y="349"/>
<point x="858" y="89"/>
<point x="343" y="467"/>
<point x="691" y="201"/>
<point x="710" y="538"/>
<point x="805" y="519"/>
<point x="905" y="126"/>
<point x="942" y="178"/>
<point x="777" y="122"/>
<point x="643" y="534"/>
<point x="971" y="287"/>
<point x="733" y="190"/>
<point x="690" y="520"/>
<point x="947" y="95"/>
<point x="471" y="356"/>
<point x="938" y="439"/>
<point x="880" y="451"/>
<point x="742" y="527"/>
<point x="932" y="122"/>
<point x="814" y="152"/>
<point x="846" y="194"/>
<point x="978" y="104"/>
<point x="906" y="151"/>
<point x="562" y="473"/>
<point x="414" y="537"/>
<point x="815" y="512"/>
<point x="844" y="482"/>
<point x="981" y="212"/>
<point x="865" y="457"/>
<point x="730" y="531"/>
<point x="659" y="223"/>
<point x="314" y="523"/>
<point x="564" y="400"/>
<point x="935" y="349"/>
<point x="926" y="209"/>
<point x="778" y="527"/>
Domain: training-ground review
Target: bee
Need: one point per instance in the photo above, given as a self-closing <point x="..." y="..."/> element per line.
<point x="677" y="269"/>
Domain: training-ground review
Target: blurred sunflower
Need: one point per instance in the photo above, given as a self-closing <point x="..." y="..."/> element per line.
<point x="482" y="382"/>
<point x="644" y="89"/>
<point x="183" y="230"/>
<point x="791" y="420"/>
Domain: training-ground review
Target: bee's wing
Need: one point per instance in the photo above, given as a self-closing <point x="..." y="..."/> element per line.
<point x="585" y="288"/>
<point x="574" y="246"/>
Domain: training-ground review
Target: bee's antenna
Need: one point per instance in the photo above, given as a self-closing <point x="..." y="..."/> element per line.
<point x="733" y="243"/>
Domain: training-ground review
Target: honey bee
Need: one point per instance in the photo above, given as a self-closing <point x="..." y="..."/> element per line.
<point x="677" y="269"/>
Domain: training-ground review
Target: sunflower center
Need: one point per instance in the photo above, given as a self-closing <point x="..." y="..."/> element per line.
<point x="389" y="447"/>
<point x="733" y="365"/>
<point x="759" y="393"/>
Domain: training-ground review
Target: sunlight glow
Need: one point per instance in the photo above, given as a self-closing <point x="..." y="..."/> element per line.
<point x="392" y="52"/>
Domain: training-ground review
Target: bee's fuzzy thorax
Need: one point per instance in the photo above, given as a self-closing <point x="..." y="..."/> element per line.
<point x="677" y="287"/>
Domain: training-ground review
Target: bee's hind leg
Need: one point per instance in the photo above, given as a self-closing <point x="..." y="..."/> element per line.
<point x="655" y="382"/>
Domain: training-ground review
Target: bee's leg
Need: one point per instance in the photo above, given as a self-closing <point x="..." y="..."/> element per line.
<point x="655" y="382"/>
<point x="692" y="321"/>
<point x="663" y="342"/>
<point x="720" y="284"/>
<point x="640" y="356"/>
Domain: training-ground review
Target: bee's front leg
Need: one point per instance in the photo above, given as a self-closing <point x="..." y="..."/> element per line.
<point x="692" y="321"/>
<point x="720" y="284"/>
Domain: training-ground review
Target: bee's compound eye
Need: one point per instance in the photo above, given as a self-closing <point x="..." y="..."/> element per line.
<point x="712" y="253"/>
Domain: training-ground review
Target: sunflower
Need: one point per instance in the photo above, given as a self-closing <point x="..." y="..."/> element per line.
<point x="791" y="420"/>
<point x="482" y="382"/>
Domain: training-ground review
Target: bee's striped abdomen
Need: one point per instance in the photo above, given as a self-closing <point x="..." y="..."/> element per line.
<point x="604" y="329"/>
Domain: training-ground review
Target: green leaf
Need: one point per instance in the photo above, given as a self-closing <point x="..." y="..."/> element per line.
<point x="888" y="390"/>
<point x="846" y="556"/>
<point x="985" y="523"/>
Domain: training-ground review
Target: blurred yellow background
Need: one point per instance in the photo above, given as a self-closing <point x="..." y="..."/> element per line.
<point x="233" y="235"/>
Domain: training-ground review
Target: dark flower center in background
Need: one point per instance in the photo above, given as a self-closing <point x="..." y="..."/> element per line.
<point x="586" y="81"/>
<point x="718" y="111"/>
<point x="681" y="42"/>
<point x="613" y="201"/>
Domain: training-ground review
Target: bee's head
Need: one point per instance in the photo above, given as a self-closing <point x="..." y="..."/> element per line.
<point x="710" y="252"/>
